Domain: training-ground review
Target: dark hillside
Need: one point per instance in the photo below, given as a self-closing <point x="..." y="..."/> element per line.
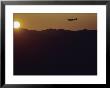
<point x="55" y="52"/>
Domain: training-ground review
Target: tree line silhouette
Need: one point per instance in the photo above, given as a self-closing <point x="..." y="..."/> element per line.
<point x="55" y="52"/>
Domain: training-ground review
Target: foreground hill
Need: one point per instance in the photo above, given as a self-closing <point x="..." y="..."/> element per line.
<point x="55" y="52"/>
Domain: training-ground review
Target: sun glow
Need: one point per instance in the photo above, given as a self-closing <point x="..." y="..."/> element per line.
<point x="16" y="24"/>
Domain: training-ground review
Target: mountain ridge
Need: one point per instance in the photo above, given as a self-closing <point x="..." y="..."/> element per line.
<point x="55" y="52"/>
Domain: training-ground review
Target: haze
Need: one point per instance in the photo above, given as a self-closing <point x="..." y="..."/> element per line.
<point x="42" y="21"/>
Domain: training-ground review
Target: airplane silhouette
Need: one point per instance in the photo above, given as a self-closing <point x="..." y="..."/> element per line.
<point x="72" y="19"/>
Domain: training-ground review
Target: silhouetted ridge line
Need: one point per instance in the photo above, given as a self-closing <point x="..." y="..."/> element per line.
<point x="55" y="52"/>
<point x="54" y="30"/>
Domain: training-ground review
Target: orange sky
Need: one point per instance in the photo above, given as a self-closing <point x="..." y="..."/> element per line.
<point x="42" y="21"/>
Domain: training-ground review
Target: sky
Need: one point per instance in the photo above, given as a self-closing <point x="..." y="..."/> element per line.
<point x="42" y="21"/>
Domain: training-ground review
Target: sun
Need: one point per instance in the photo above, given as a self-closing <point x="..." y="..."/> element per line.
<point x="16" y="24"/>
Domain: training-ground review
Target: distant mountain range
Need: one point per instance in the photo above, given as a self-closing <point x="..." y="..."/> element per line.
<point x="55" y="52"/>
<point x="51" y="29"/>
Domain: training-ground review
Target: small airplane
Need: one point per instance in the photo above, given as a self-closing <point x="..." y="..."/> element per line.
<point x="72" y="19"/>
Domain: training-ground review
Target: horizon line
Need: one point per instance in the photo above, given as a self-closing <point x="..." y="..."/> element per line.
<point x="57" y="29"/>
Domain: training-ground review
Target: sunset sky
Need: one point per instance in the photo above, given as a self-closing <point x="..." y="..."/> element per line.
<point x="42" y="21"/>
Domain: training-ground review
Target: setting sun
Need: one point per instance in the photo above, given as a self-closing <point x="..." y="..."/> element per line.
<point x="16" y="24"/>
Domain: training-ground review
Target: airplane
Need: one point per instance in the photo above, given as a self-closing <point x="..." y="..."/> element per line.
<point x="72" y="19"/>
